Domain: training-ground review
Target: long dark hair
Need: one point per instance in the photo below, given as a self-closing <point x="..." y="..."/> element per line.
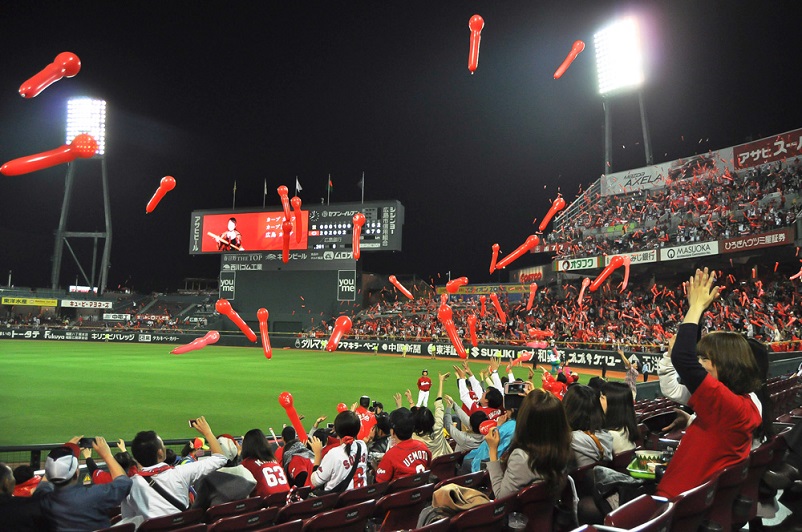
<point x="542" y="431"/>
<point x="583" y="408"/>
<point x="424" y="421"/>
<point x="761" y="354"/>
<point x="256" y="447"/>
<point x="347" y="424"/>
<point x="620" y="409"/>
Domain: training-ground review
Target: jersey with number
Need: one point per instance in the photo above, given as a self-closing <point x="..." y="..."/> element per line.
<point x="269" y="476"/>
<point x="366" y="420"/>
<point x="336" y="466"/>
<point x="405" y="458"/>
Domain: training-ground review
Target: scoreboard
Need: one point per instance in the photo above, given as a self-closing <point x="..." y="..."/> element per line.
<point x="324" y="241"/>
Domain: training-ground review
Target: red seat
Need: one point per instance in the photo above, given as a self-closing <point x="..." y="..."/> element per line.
<point x="490" y="516"/>
<point x="249" y="521"/>
<point x="349" y="519"/>
<point x="174" y="521"/>
<point x="127" y="527"/>
<point x="746" y="502"/>
<point x="640" y="511"/>
<point x="478" y="481"/>
<point x="444" y="467"/>
<point x="307" y="508"/>
<point x="622" y="460"/>
<point x="537" y="505"/>
<point x="200" y="527"/>
<point x="227" y="509"/>
<point x="405" y="483"/>
<point x="399" y="511"/>
<point x="438" y="526"/>
<point x="729" y="486"/>
<point x="291" y="526"/>
<point x="275" y="499"/>
<point x="373" y="491"/>
<point x="692" y="507"/>
<point x="656" y="421"/>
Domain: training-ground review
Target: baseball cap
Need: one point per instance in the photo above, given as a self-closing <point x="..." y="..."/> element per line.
<point x="229" y="446"/>
<point x="62" y="463"/>
<point x="424" y="371"/>
<point x="198" y="443"/>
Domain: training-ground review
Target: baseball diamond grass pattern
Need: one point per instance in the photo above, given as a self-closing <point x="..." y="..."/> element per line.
<point x="51" y="391"/>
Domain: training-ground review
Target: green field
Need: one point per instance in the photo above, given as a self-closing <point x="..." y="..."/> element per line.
<point x="51" y="391"/>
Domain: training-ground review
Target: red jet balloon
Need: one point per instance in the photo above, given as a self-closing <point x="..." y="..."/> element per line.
<point x="285" y="200"/>
<point x="531" y="242"/>
<point x="358" y="221"/>
<point x="198" y="343"/>
<point x="341" y="326"/>
<point x="224" y="307"/>
<point x="445" y="315"/>
<point x="494" y="258"/>
<point x="165" y="185"/>
<point x="486" y="426"/>
<point x="65" y="65"/>
<point x="285" y="400"/>
<point x="286" y="229"/>
<point x="475" y="24"/>
<point x="342" y="407"/>
<point x="532" y="291"/>
<point x="615" y="262"/>
<point x="556" y="206"/>
<point x="472" y="329"/>
<point x="585" y="284"/>
<point x="401" y="287"/>
<point x="262" y="315"/>
<point x="576" y="49"/>
<point x="296" y="209"/>
<point x="452" y="287"/>
<point x="83" y="146"/>
<point x="497" y="305"/>
<point x="483" y="301"/>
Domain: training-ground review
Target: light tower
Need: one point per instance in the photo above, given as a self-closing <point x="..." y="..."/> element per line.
<point x="619" y="64"/>
<point x="85" y="115"/>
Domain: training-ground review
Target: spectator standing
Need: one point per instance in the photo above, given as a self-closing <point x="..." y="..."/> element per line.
<point x="424" y="385"/>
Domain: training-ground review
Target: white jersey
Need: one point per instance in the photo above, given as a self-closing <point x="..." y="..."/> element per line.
<point x="336" y="465"/>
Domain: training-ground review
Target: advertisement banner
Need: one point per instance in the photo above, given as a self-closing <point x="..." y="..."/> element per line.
<point x="551" y="248"/>
<point x="629" y="181"/>
<point x="479" y="289"/>
<point x="773" y="238"/>
<point x="767" y="150"/>
<point x="117" y="317"/>
<point x="228" y="281"/>
<point x="689" y="251"/>
<point x="346" y="285"/>
<point x="641" y="257"/>
<point x="535" y="274"/>
<point x="83" y="303"/>
<point x="570" y="265"/>
<point x="29" y="301"/>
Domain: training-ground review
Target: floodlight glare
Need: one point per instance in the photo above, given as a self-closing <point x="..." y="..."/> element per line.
<point x="619" y="61"/>
<point x="85" y="115"/>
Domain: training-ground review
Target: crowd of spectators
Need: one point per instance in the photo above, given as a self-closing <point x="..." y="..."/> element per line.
<point x="711" y="204"/>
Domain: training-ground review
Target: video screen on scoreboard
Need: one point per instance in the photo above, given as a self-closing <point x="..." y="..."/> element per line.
<point x="250" y="231"/>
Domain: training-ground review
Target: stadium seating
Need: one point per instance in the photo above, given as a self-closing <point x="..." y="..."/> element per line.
<point x="248" y="521"/>
<point x="398" y="511"/>
<point x="745" y="508"/>
<point x="289" y="526"/>
<point x="405" y="483"/>
<point x="438" y="526"/>
<point x="490" y="516"/>
<point x="173" y="522"/>
<point x="729" y="486"/>
<point x="127" y="527"/>
<point x="639" y="511"/>
<point x="372" y="491"/>
<point x="693" y="507"/>
<point x="307" y="508"/>
<point x="275" y="499"/>
<point x="537" y="505"/>
<point x="478" y="481"/>
<point x="349" y="519"/>
<point x="444" y="467"/>
<point x="622" y="460"/>
<point x="232" y="508"/>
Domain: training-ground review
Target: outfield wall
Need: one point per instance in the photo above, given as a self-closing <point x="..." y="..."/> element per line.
<point x="578" y="358"/>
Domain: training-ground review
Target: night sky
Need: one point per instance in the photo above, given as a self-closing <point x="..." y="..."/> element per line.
<point x="213" y="92"/>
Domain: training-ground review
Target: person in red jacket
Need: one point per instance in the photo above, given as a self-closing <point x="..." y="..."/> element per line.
<point x="424" y="385"/>
<point x="408" y="456"/>
<point x="258" y="458"/>
<point x="366" y="418"/>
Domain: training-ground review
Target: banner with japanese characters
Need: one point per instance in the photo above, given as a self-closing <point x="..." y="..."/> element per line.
<point x="781" y="237"/>
<point x="767" y="150"/>
<point x="29" y="301"/>
<point x="85" y="303"/>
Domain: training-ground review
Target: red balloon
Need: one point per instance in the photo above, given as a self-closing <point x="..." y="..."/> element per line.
<point x="165" y="185"/>
<point x="615" y="262"/>
<point x="444" y="298"/>
<point x="531" y="242"/>
<point x="493" y="260"/>
<point x="537" y="333"/>
<point x="341" y="326"/>
<point x="483" y="300"/>
<point x="575" y="51"/>
<point x="285" y="200"/>
<point x="525" y="356"/>
<point x="285" y="400"/>
<point x="472" y="329"/>
<point x="83" y="146"/>
<point x="65" y="65"/>
<point x="401" y="287"/>
<point x="342" y="407"/>
<point x="486" y="425"/>
<point x="296" y="209"/>
<point x="286" y="228"/>
<point x="627" y="263"/>
<point x="224" y="307"/>
<point x="359" y="221"/>
<point x="532" y="291"/>
<point x="198" y="343"/>
<point x="262" y="315"/>
<point x="445" y="315"/>
<point x="497" y="305"/>
<point x="556" y="206"/>
<point x="585" y="284"/>
<point x="475" y="24"/>
<point x="452" y="287"/>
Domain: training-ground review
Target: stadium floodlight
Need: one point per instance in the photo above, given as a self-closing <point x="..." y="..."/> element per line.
<point x="85" y="115"/>
<point x="619" y="60"/>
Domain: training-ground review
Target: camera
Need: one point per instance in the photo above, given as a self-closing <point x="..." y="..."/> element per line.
<point x="514" y="393"/>
<point x="192" y="422"/>
<point x="86" y="443"/>
<point x="330" y="426"/>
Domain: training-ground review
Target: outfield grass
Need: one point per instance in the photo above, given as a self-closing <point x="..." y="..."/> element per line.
<point x="50" y="391"/>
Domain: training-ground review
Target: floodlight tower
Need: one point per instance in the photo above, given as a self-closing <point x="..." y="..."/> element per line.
<point x="619" y="63"/>
<point x="85" y="115"/>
